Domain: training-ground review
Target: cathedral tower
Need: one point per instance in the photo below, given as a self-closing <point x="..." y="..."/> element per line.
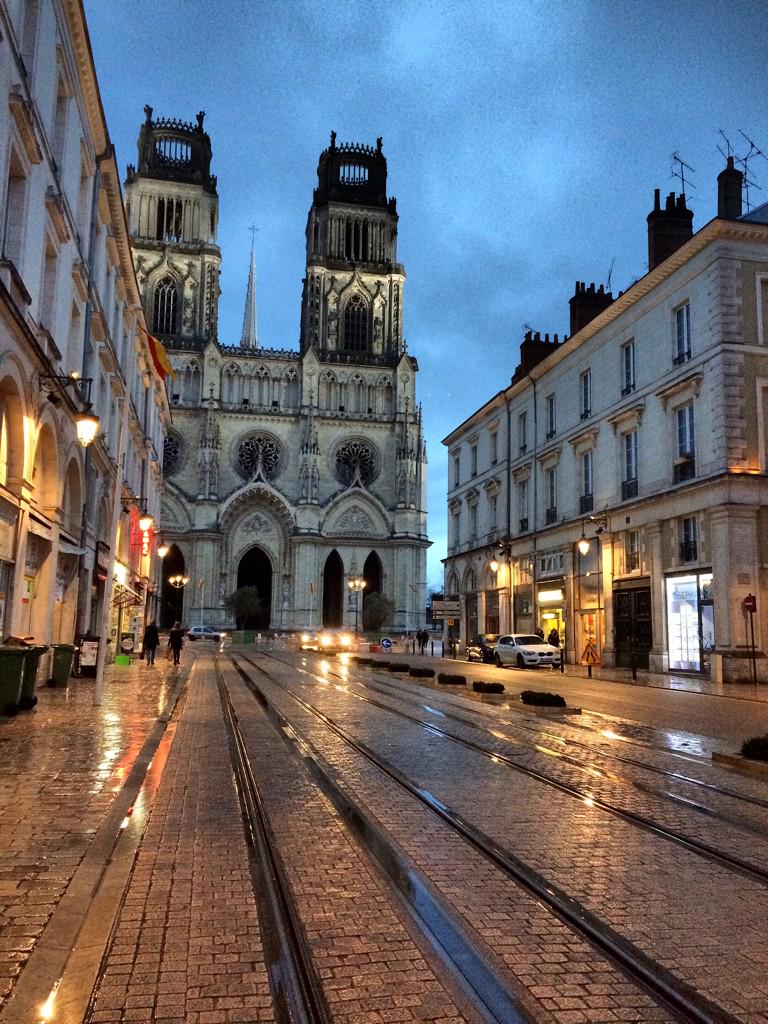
<point x="353" y="291"/>
<point x="172" y="209"/>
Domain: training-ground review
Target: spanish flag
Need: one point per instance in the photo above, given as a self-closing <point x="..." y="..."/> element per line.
<point x="160" y="357"/>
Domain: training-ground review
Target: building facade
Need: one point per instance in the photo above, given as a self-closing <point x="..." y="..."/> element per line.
<point x="72" y="554"/>
<point x="292" y="471"/>
<point x="616" y="490"/>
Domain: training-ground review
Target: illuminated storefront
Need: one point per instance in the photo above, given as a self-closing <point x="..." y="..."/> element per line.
<point x="690" y="622"/>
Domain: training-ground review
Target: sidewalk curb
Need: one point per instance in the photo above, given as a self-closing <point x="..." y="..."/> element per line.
<point x="44" y="973"/>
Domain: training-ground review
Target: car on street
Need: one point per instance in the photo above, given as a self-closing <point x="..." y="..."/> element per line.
<point x="482" y="647"/>
<point x="204" y="633"/>
<point x="327" y="640"/>
<point x="525" y="650"/>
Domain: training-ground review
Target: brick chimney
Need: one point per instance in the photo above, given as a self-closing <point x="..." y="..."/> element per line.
<point x="586" y="304"/>
<point x="729" y="182"/>
<point x="533" y="349"/>
<point x="669" y="228"/>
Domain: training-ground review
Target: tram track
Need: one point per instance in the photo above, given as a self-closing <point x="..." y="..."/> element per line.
<point x="730" y="861"/>
<point x="671" y="992"/>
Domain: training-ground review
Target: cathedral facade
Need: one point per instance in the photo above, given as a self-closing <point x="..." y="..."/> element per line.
<point x="294" y="471"/>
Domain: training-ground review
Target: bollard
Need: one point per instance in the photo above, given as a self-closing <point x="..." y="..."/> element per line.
<point x="589" y="670"/>
<point x="633" y="661"/>
<point x="431" y="648"/>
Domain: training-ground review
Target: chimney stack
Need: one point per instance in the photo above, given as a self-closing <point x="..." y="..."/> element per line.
<point x="669" y="228"/>
<point x="729" y="182"/>
<point x="586" y="304"/>
<point x="532" y="350"/>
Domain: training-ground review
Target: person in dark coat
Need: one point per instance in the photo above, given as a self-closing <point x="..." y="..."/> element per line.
<point x="554" y="637"/>
<point x="151" y="641"/>
<point x="176" y="641"/>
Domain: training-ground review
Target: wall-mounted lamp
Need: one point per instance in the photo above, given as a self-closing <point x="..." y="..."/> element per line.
<point x="162" y="550"/>
<point x="146" y="522"/>
<point x="86" y="422"/>
<point x="599" y="523"/>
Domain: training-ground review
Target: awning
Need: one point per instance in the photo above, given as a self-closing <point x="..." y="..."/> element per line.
<point x="123" y="596"/>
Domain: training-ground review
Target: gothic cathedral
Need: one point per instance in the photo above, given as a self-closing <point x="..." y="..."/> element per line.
<point x="291" y="471"/>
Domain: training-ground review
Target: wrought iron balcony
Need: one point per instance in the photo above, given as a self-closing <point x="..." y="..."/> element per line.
<point x="551" y="515"/>
<point x="685" y="469"/>
<point x="689" y="551"/>
<point x="628" y="489"/>
<point x="587" y="502"/>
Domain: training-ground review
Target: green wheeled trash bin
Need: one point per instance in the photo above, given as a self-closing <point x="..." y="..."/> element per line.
<point x="34" y="654"/>
<point x="63" y="655"/>
<point x="13" y="661"/>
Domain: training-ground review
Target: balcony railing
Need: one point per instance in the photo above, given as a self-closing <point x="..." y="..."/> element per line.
<point x="627" y="390"/>
<point x="682" y="357"/>
<point x="632" y="560"/>
<point x="586" y="413"/>
<point x="551" y="516"/>
<point x="524" y="525"/>
<point x="628" y="489"/>
<point x="684" y="470"/>
<point x="587" y="502"/>
<point x="689" y="551"/>
<point x="550" y="434"/>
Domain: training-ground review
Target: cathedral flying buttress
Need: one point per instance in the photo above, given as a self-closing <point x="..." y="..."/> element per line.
<point x="288" y="470"/>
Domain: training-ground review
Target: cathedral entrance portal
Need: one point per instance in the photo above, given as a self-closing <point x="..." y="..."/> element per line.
<point x="255" y="570"/>
<point x="372" y="574"/>
<point x="333" y="578"/>
<point x="172" y="598"/>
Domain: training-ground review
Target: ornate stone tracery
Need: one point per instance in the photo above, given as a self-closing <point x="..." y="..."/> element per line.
<point x="356" y="462"/>
<point x="172" y="454"/>
<point x="259" y="456"/>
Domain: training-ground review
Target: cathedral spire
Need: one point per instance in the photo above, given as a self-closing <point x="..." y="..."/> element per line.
<point x="250" y="338"/>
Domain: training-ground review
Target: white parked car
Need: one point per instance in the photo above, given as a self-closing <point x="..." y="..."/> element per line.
<point x="525" y="650"/>
<point x="204" y="633"/>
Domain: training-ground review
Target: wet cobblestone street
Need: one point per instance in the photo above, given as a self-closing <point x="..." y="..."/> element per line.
<point x="130" y="889"/>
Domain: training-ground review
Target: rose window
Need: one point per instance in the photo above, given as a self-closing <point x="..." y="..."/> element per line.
<point x="356" y="461"/>
<point x="171" y="454"/>
<point x="258" y="456"/>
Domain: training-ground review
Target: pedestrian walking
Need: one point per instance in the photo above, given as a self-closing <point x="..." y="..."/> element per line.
<point x="150" y="642"/>
<point x="176" y="642"/>
<point x="422" y="636"/>
<point x="554" y="637"/>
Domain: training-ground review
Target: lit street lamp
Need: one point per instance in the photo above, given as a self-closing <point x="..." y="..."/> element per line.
<point x="178" y="581"/>
<point x="356" y="584"/>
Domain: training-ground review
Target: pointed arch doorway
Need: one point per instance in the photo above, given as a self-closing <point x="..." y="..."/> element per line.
<point x="333" y="580"/>
<point x="172" y="598"/>
<point x="255" y="570"/>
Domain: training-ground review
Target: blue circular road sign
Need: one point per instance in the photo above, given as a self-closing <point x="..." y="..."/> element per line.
<point x="386" y="643"/>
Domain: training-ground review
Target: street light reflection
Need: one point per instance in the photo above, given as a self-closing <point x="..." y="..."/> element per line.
<point x="46" y="1010"/>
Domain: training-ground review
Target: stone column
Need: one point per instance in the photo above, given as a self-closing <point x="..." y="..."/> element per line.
<point x="658" y="660"/>
<point x="735" y="561"/>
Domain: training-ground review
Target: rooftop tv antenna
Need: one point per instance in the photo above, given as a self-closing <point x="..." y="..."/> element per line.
<point x="679" y="167"/>
<point x="743" y="162"/>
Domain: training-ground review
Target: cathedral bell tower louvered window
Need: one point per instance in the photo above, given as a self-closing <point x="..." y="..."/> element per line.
<point x="165" y="308"/>
<point x="355" y="326"/>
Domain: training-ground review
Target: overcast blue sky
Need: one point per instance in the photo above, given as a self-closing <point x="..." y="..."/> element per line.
<point x="524" y="142"/>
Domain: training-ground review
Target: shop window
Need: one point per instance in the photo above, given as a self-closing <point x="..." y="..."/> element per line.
<point x="690" y="622"/>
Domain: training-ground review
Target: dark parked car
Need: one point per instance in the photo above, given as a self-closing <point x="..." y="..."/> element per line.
<point x="481" y="647"/>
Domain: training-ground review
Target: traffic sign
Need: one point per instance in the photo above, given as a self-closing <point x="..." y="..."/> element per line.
<point x="590" y="655"/>
<point x="386" y="643"/>
<point x="749" y="604"/>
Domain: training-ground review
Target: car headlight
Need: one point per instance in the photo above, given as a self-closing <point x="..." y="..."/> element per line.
<point x="325" y="641"/>
<point x="345" y="640"/>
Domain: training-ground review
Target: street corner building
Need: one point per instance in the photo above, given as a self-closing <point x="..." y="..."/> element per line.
<point x="616" y="488"/>
<point x="292" y="471"/>
<point x="83" y="411"/>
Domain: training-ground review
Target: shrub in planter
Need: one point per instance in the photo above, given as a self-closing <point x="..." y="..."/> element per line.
<point x="542" y="699"/>
<point x="375" y="663"/>
<point x="422" y="673"/>
<point x="396" y="666"/>
<point x="363" y="661"/>
<point x="479" y="686"/>
<point x="756" y="748"/>
<point x="451" y="679"/>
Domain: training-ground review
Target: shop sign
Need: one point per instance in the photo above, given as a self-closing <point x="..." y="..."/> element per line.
<point x="146" y="537"/>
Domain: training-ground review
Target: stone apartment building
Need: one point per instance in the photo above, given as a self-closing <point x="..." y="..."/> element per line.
<point x="72" y="552"/>
<point x="616" y="488"/>
<point x="298" y="470"/>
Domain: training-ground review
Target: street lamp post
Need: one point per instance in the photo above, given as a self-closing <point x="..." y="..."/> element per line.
<point x="599" y="523"/>
<point x="356" y="584"/>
